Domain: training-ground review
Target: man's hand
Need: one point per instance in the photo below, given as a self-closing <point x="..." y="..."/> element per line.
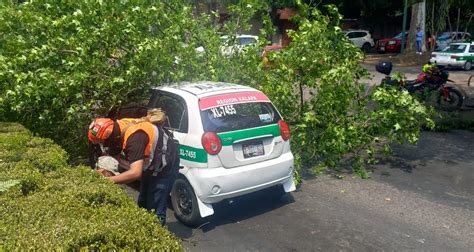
<point x="134" y="173"/>
<point x="104" y="172"/>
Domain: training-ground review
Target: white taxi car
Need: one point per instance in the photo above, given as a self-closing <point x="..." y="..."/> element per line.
<point x="455" y="55"/>
<point x="232" y="142"/>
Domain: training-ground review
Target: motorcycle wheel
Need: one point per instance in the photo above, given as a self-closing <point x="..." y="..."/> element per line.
<point x="452" y="102"/>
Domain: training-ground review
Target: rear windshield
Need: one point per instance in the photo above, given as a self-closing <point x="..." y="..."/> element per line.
<point x="237" y="112"/>
<point x="455" y="48"/>
<point x="239" y="116"/>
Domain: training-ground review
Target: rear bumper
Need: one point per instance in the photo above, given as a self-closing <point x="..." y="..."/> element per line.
<point x="388" y="48"/>
<point x="212" y="185"/>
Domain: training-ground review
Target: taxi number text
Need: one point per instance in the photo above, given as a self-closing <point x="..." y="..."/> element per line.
<point x="187" y="153"/>
<point x="223" y="111"/>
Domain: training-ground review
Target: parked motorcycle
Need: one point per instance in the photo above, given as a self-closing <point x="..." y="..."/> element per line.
<point x="432" y="80"/>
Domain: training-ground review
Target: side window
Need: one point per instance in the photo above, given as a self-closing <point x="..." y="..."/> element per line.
<point x="361" y="34"/>
<point x="471" y="48"/>
<point x="247" y="41"/>
<point x="351" y="35"/>
<point x="175" y="109"/>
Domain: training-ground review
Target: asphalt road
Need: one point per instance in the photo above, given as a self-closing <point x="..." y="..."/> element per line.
<point x="421" y="198"/>
<point x="459" y="76"/>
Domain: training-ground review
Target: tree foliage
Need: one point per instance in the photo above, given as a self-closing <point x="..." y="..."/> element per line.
<point x="316" y="85"/>
<point x="63" y="63"/>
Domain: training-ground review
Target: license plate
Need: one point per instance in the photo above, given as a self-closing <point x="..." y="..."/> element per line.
<point x="253" y="149"/>
<point x="382" y="48"/>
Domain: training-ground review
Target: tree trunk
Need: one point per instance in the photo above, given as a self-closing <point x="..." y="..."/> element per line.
<point x="457" y="26"/>
<point x="417" y="20"/>
<point x="433" y="32"/>
<point x="467" y="25"/>
<point x="449" y="25"/>
<point x="422" y="22"/>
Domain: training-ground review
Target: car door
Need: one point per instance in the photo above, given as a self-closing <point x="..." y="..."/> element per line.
<point x="471" y="52"/>
<point x="352" y="37"/>
<point x="362" y="37"/>
<point x="176" y="113"/>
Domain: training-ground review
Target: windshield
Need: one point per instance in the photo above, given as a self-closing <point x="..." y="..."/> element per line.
<point x="247" y="41"/>
<point x="398" y="36"/>
<point x="455" y="48"/>
<point x="444" y="35"/>
<point x="230" y="112"/>
<point x="239" y="40"/>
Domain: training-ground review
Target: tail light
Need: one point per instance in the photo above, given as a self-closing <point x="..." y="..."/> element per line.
<point x="284" y="130"/>
<point x="211" y="143"/>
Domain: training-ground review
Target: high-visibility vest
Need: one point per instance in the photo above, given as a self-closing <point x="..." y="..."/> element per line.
<point x="128" y="126"/>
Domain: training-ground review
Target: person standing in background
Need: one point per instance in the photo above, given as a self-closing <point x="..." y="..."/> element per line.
<point x="419" y="40"/>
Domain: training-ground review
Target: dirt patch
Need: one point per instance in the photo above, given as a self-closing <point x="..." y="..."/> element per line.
<point x="406" y="59"/>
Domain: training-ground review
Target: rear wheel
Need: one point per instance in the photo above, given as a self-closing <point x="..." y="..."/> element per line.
<point x="366" y="47"/>
<point x="184" y="202"/>
<point x="452" y="101"/>
<point x="467" y="65"/>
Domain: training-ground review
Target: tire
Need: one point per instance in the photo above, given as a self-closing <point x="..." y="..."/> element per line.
<point x="184" y="202"/>
<point x="366" y="47"/>
<point x="467" y="65"/>
<point x="453" y="102"/>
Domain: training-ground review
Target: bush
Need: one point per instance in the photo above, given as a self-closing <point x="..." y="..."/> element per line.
<point x="47" y="205"/>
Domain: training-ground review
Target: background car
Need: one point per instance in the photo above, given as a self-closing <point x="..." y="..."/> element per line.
<point x="446" y="38"/>
<point x="361" y="38"/>
<point x="238" y="43"/>
<point x="390" y="45"/>
<point x="455" y="55"/>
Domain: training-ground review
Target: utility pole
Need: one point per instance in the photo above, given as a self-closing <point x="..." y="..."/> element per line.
<point x="405" y="7"/>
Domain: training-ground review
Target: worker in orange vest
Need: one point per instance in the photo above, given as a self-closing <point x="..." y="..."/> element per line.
<point x="139" y="142"/>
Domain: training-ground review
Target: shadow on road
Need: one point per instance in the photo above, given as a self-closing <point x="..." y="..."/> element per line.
<point x="234" y="211"/>
<point x="440" y="165"/>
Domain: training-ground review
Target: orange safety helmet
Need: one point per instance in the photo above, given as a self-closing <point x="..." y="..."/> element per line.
<point x="100" y="129"/>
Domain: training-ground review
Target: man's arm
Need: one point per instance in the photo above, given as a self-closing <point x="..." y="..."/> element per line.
<point x="135" y="153"/>
<point x="132" y="174"/>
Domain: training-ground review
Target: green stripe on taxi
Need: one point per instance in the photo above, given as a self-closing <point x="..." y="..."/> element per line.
<point x="192" y="154"/>
<point x="228" y="138"/>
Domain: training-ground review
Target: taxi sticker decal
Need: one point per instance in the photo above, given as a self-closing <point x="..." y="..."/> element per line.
<point x="265" y="117"/>
<point x="232" y="98"/>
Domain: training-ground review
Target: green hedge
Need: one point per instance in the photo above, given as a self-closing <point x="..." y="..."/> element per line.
<point x="47" y="205"/>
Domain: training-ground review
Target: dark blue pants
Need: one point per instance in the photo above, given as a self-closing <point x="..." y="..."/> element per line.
<point x="418" y="46"/>
<point x="154" y="194"/>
